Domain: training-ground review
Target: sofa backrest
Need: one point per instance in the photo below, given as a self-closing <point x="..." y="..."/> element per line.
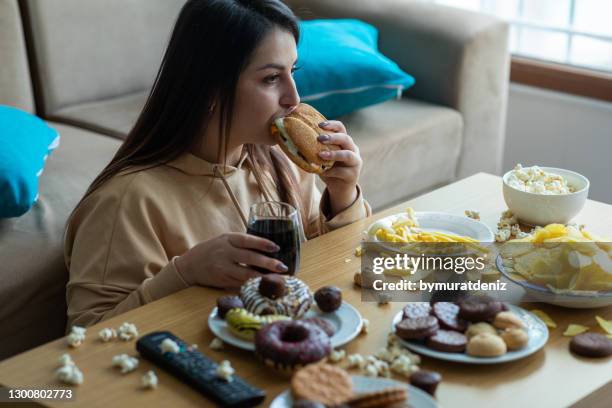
<point x="85" y="51"/>
<point x="15" y="84"/>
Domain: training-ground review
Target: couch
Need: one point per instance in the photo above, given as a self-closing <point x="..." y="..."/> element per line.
<point x="86" y="68"/>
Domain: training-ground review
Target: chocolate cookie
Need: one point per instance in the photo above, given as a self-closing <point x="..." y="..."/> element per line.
<point x="416" y="309"/>
<point x="273" y="286"/>
<point x="386" y="397"/>
<point x="479" y="308"/>
<point x="226" y="303"/>
<point x="324" y="324"/>
<point x="448" y="341"/>
<point x="417" y="328"/>
<point x="448" y="316"/>
<point x="426" y="380"/>
<point x="591" y="345"/>
<point x="328" y="298"/>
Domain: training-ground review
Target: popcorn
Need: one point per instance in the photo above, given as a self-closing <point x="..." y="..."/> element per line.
<point x="356" y="360"/>
<point x="169" y="346"/>
<point x="65" y="359"/>
<point x="472" y="214"/>
<point x="225" y="371"/>
<point x="76" y="336"/>
<point x="149" y="380"/>
<point x="365" y="327"/>
<point x="216" y="344"/>
<point x="502" y="235"/>
<point x="371" y="370"/>
<point x="385" y="354"/>
<point x="125" y="362"/>
<point x="337" y="356"/>
<point x="383" y="298"/>
<point x="69" y="374"/>
<point x="535" y="180"/>
<point x="127" y="331"/>
<point x="358" y="251"/>
<point x="107" y="334"/>
<point x="402" y="365"/>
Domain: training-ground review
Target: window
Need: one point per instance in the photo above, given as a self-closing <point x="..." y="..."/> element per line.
<point x="572" y="32"/>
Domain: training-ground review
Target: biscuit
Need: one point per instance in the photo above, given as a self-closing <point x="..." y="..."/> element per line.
<point x="486" y="345"/>
<point x="508" y="320"/>
<point x="479" y="308"/>
<point x="481" y="327"/>
<point x="591" y="345"/>
<point x="376" y="399"/>
<point x="322" y="383"/>
<point x="448" y="341"/>
<point x="514" y="338"/>
<point x="416" y="309"/>
<point x="448" y="316"/>
<point x="417" y="328"/>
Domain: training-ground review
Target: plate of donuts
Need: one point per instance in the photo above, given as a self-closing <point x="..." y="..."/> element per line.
<point x="437" y="331"/>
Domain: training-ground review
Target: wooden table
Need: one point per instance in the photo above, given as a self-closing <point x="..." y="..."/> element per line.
<point x="552" y="377"/>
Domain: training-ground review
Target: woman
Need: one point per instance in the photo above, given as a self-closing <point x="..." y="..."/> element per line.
<point x="169" y="211"/>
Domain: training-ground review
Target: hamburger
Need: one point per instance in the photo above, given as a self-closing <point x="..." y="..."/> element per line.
<point x="297" y="135"/>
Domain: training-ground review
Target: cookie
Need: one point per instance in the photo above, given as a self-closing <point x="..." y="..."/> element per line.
<point x="323" y="383"/>
<point x="514" y="338"/>
<point x="328" y="298"/>
<point x="480" y="327"/>
<point x="417" y="328"/>
<point x="591" y="345"/>
<point x="383" y="398"/>
<point x="426" y="380"/>
<point x="416" y="309"/>
<point x="448" y="316"/>
<point x="479" y="308"/>
<point x="227" y="303"/>
<point x="508" y="320"/>
<point x="324" y="324"/>
<point x="273" y="286"/>
<point x="448" y="341"/>
<point x="486" y="345"/>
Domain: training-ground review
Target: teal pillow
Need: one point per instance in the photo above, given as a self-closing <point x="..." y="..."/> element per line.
<point x="25" y="143"/>
<point x="342" y="69"/>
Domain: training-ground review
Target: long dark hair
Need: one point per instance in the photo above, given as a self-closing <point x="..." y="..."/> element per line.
<point x="211" y="44"/>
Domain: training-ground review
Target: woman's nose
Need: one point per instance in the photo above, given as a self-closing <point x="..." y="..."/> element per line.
<point x="290" y="98"/>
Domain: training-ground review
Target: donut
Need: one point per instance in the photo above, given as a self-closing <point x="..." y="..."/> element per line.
<point x="294" y="303"/>
<point x="291" y="344"/>
<point x="244" y="324"/>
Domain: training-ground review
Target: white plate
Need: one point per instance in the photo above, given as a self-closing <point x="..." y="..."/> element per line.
<point x="417" y="398"/>
<point x="347" y="321"/>
<point x="538" y="336"/>
<point x="439" y="222"/>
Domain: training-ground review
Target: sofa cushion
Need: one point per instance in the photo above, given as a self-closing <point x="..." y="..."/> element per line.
<point x="407" y="147"/>
<point x="118" y="52"/>
<point x="26" y="142"/>
<point x="15" y="85"/>
<point x="36" y="284"/>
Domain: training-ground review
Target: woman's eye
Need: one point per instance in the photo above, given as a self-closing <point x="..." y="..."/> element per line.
<point x="272" y="78"/>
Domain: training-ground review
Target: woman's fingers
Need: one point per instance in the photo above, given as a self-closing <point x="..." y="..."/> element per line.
<point x="333" y="126"/>
<point x="237" y="275"/>
<point x="340" y="139"/>
<point x="247" y="241"/>
<point x="347" y="157"/>
<point x="253" y="258"/>
<point x="340" y="173"/>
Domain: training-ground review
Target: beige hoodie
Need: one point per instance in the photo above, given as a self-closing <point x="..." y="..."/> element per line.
<point x="121" y="241"/>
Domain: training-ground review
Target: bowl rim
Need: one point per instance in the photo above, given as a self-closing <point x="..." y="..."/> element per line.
<point x="552" y="170"/>
<point x="546" y="291"/>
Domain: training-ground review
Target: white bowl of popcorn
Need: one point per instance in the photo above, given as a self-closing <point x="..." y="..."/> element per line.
<point x="544" y="195"/>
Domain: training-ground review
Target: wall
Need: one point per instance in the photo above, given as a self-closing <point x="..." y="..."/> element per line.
<point x="559" y="130"/>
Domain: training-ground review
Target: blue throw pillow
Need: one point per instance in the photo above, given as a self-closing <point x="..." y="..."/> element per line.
<point x="25" y="143"/>
<point x="342" y="69"/>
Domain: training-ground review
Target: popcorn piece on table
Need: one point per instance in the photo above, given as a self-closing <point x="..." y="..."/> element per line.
<point x="337" y="355"/>
<point x="65" y="359"/>
<point x="127" y="331"/>
<point x="76" y="336"/>
<point x="365" y="326"/>
<point x="358" y="251"/>
<point x="216" y="344"/>
<point x="475" y="215"/>
<point x="69" y="374"/>
<point x="107" y="334"/>
<point x="384" y="298"/>
<point x="125" y="362"/>
<point x="225" y="371"/>
<point x="169" y="346"/>
<point x="356" y="360"/>
<point x="149" y="380"/>
<point x="371" y="370"/>
<point x="402" y="365"/>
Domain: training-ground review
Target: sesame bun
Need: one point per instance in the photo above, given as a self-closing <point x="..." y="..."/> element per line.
<point x="297" y="135"/>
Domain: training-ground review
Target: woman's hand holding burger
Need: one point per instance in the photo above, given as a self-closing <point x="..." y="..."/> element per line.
<point x="341" y="179"/>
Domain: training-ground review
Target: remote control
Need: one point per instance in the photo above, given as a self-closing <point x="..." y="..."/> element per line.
<point x="198" y="371"/>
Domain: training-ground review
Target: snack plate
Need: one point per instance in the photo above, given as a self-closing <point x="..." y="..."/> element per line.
<point x="417" y="398"/>
<point x="438" y="222"/>
<point x="347" y="321"/>
<point x="538" y="336"/>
